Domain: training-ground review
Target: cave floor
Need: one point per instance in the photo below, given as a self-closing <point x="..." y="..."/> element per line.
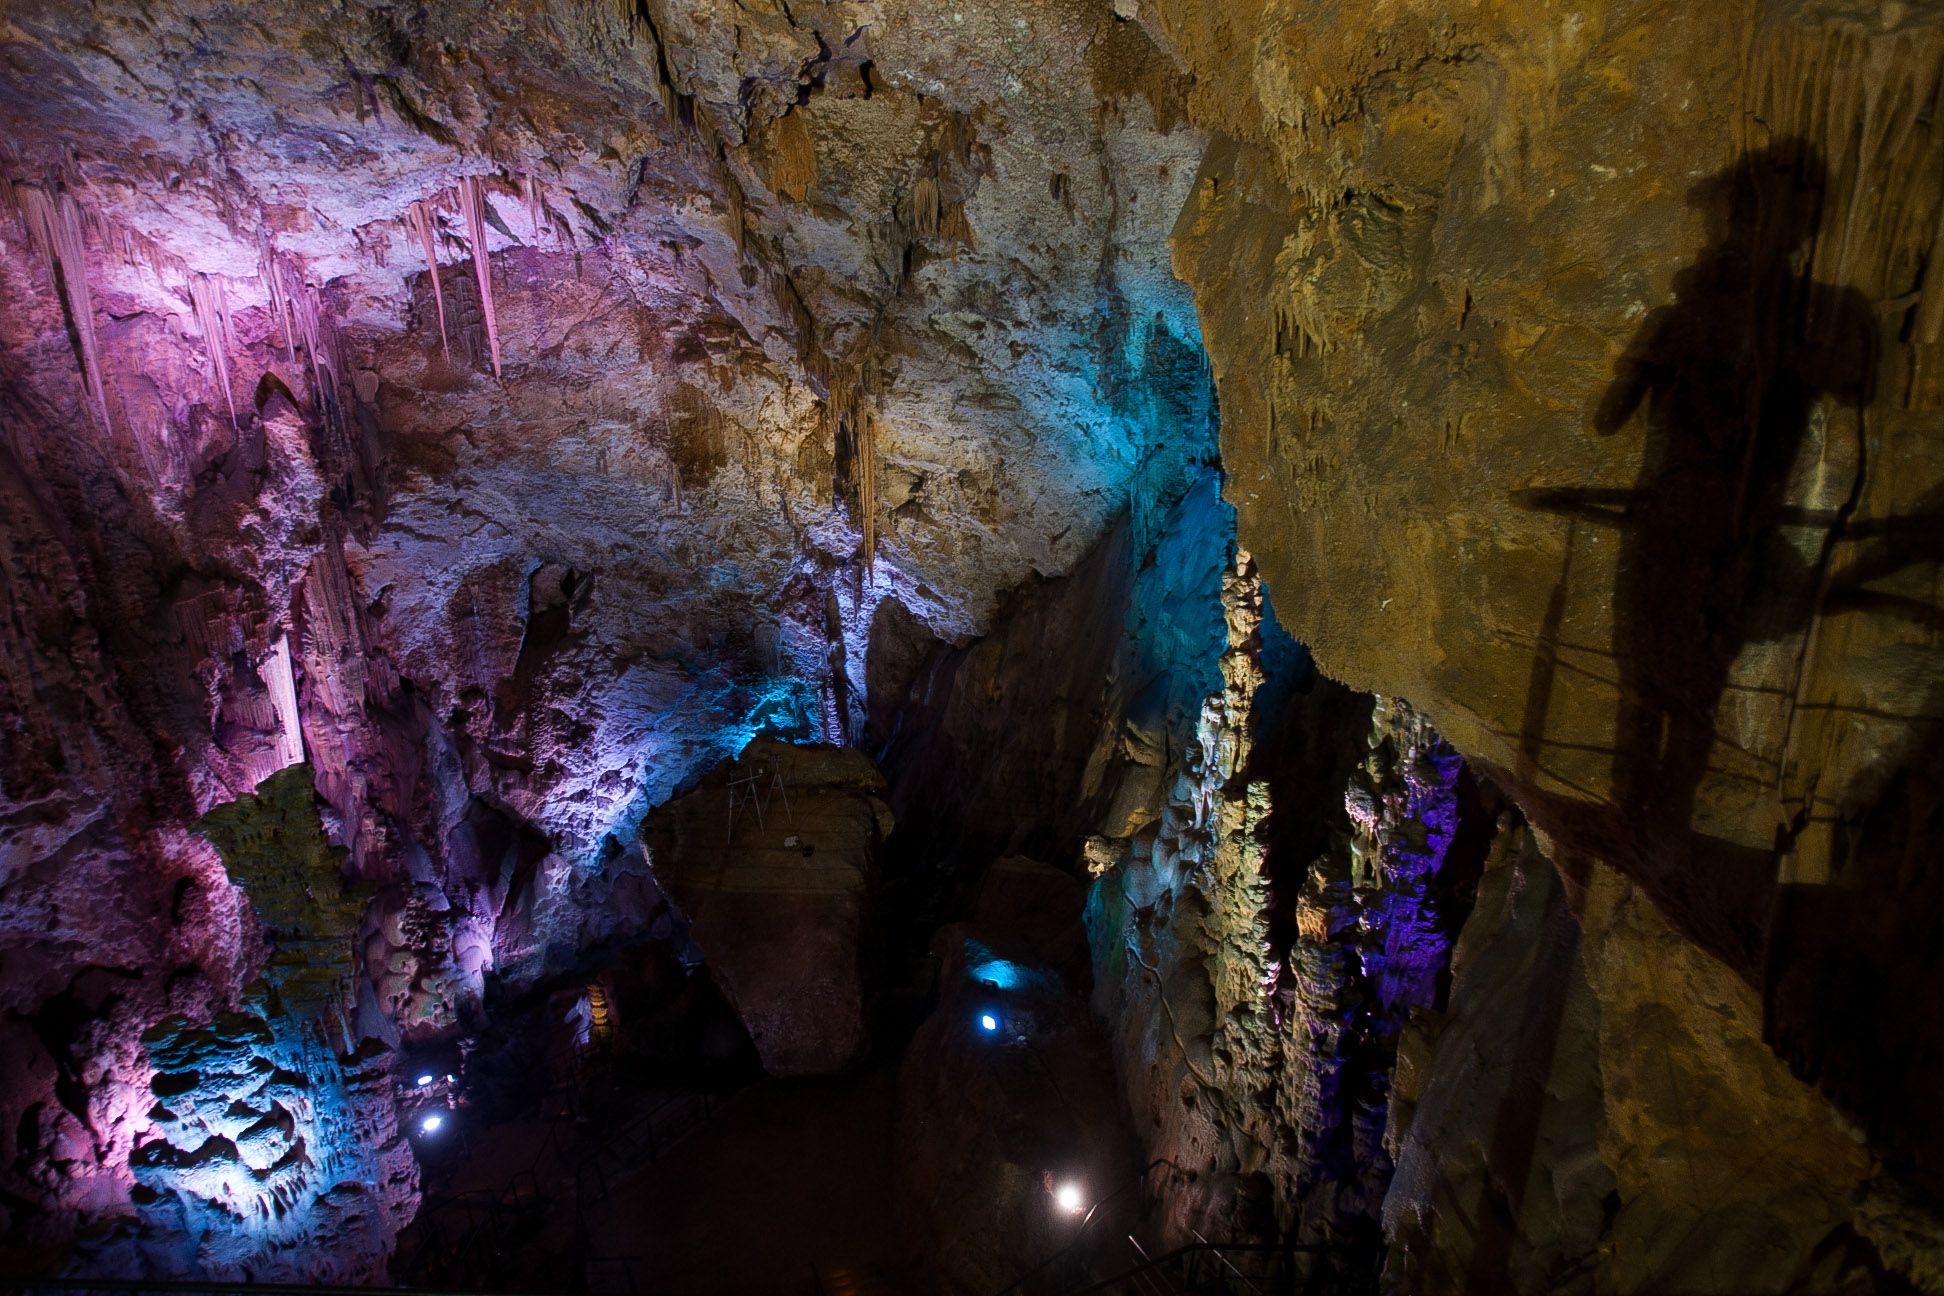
<point x="790" y="1174"/>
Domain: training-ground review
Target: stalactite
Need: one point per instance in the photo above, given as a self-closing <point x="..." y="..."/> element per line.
<point x="953" y="227"/>
<point x="54" y="228"/>
<point x="472" y="204"/>
<point x="270" y="271"/>
<point x="282" y="683"/>
<point x="320" y="344"/>
<point x="207" y="299"/>
<point x="926" y="206"/>
<point x="420" y="219"/>
<point x="867" y="485"/>
<point x="738" y="220"/>
<point x="536" y="203"/>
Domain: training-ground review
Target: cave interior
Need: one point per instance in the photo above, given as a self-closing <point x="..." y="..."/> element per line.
<point x="889" y="646"/>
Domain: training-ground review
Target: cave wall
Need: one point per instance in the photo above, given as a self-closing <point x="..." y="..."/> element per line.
<point x="1260" y="928"/>
<point x="1592" y="405"/>
<point x="1597" y="1111"/>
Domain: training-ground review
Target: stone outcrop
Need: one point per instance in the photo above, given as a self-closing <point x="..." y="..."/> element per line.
<point x="1578" y="369"/>
<point x="1597" y="1112"/>
<point x="772" y="861"/>
<point x="271" y="1144"/>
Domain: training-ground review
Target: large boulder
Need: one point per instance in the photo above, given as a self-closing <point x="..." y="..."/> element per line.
<point x="771" y="858"/>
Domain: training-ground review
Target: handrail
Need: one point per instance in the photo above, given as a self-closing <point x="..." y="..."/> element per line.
<point x="1229" y="1264"/>
<point x="1080" y="1234"/>
<point x="1239" y="1248"/>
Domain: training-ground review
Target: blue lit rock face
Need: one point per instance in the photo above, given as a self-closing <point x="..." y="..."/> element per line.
<point x="272" y="1148"/>
<point x="1070" y="713"/>
<point x="272" y="1155"/>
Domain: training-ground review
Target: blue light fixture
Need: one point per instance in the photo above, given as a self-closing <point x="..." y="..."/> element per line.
<point x="424" y="1080"/>
<point x="989" y="1022"/>
<point x="431" y="1124"/>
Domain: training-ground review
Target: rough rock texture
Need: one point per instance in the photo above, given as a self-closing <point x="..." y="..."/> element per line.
<point x="771" y="859"/>
<point x="1579" y="370"/>
<point x="1597" y="1112"/>
<point x="503" y="412"/>
<point x="1258" y="931"/>
<point x="509" y="410"/>
<point x="1256" y="994"/>
<point x="1058" y="725"/>
<point x="272" y="1132"/>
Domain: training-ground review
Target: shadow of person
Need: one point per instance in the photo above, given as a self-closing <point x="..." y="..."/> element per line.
<point x="1729" y="373"/>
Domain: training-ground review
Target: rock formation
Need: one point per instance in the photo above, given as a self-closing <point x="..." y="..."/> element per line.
<point x="1294" y="469"/>
<point x="772" y="862"/>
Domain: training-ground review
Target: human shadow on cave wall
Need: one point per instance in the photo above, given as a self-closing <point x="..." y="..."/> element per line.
<point x="1727" y="375"/>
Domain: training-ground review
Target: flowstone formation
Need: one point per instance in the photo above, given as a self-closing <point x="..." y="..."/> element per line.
<point x="272" y="1148"/>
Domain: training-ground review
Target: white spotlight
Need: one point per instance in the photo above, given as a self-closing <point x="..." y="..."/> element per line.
<point x="1069" y="1198"/>
<point x="424" y="1080"/>
<point x="431" y="1124"/>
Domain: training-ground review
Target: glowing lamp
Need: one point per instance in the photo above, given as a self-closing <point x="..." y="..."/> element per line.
<point x="431" y="1124"/>
<point x="989" y="1022"/>
<point x="1069" y="1198"/>
<point x="424" y="1080"/>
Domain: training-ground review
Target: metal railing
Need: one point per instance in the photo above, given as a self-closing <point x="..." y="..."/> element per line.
<point x="1093" y="1227"/>
<point x="1239" y="1269"/>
